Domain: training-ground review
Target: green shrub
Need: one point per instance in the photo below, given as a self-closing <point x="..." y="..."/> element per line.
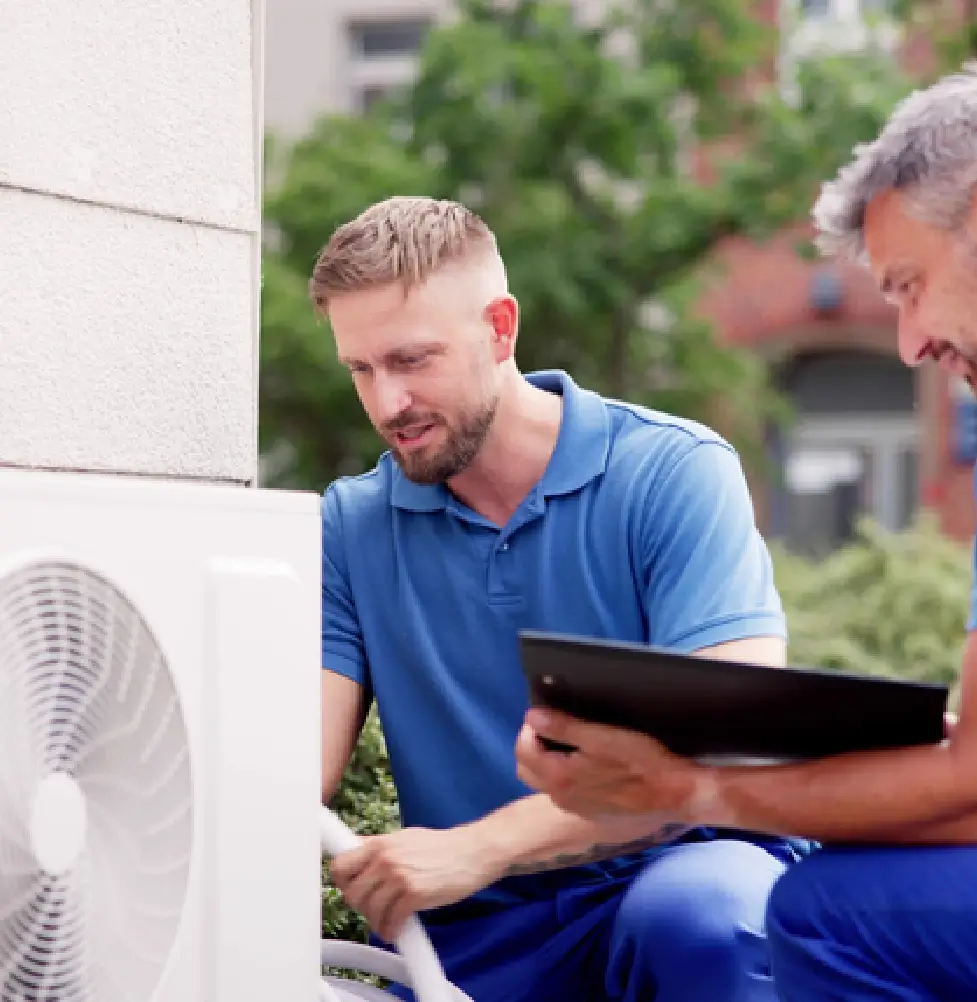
<point x="887" y="603"/>
<point x="367" y="802"/>
<point x="893" y="604"/>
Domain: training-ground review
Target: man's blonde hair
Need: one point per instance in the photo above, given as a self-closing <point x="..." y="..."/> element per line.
<point x="404" y="240"/>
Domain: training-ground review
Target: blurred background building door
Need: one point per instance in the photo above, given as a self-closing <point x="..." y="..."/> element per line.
<point x="852" y="449"/>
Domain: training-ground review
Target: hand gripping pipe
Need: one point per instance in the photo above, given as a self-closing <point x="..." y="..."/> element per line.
<point x="420" y="969"/>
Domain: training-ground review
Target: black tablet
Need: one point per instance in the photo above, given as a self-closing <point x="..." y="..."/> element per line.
<point x="725" y="710"/>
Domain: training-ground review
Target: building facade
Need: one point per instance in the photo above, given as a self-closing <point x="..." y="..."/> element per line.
<point x="870" y="435"/>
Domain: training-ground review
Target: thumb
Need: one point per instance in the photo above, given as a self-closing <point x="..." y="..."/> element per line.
<point x="949" y="724"/>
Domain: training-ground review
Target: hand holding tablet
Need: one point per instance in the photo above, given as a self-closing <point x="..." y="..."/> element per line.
<point x="729" y="711"/>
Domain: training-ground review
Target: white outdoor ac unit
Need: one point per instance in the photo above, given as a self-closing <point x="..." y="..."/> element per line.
<point x="159" y="741"/>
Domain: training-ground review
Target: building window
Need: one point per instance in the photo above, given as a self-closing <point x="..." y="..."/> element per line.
<point x="388" y="39"/>
<point x="382" y="56"/>
<point x="841" y="10"/>
<point x="852" y="451"/>
<point x="815" y="8"/>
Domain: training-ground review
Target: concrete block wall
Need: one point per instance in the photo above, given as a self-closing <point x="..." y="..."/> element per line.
<point x="130" y="220"/>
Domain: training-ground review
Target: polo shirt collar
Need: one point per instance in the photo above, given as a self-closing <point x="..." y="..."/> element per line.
<point x="579" y="457"/>
<point x="584" y="441"/>
<point x="406" y="494"/>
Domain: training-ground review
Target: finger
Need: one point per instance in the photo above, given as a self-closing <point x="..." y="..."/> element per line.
<point x="529" y="752"/>
<point x="543" y="770"/>
<point x="359" y="890"/>
<point x="347" y="866"/>
<point x="551" y="723"/>
<point x="588" y="737"/>
<point x="949" y="724"/>
<point x="385" y="899"/>
<point x="530" y="755"/>
<point x="575" y="783"/>
<point x="399" y="911"/>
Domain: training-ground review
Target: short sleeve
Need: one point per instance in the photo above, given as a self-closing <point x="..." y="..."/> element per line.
<point x="342" y="640"/>
<point x="709" y="576"/>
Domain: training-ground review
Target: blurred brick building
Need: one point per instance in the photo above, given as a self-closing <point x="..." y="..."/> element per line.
<point x="870" y="435"/>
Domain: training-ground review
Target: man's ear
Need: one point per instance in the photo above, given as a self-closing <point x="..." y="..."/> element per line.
<point x="502" y="314"/>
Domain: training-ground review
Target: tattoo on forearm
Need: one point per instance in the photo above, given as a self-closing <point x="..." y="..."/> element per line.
<point x="598" y="852"/>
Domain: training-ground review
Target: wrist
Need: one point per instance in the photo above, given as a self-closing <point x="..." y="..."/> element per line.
<point x="704" y="804"/>
<point x="486" y="848"/>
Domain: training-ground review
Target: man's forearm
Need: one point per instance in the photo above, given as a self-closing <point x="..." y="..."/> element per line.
<point x="910" y="795"/>
<point x="903" y="796"/>
<point x="961" y="830"/>
<point x="532" y="835"/>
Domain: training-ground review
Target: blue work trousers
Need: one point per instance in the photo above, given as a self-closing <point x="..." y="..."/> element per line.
<point x="686" y="924"/>
<point x="872" y="924"/>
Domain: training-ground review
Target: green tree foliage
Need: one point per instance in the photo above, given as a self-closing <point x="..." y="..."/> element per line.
<point x="569" y="139"/>
<point x="888" y="603"/>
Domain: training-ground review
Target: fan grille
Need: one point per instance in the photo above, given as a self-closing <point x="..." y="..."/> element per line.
<point x="95" y="792"/>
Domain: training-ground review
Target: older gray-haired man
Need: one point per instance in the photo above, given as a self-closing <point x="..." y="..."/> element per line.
<point x="888" y="909"/>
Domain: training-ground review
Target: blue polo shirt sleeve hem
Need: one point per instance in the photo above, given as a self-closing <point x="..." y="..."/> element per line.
<point x="343" y="666"/>
<point x="709" y="576"/>
<point x="729" y="628"/>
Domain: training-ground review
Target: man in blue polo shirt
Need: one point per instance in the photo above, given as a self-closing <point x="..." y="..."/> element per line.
<point x="506" y="502"/>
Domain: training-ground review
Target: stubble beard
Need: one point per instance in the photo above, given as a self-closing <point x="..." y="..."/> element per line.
<point x="968" y="329"/>
<point x="460" y="448"/>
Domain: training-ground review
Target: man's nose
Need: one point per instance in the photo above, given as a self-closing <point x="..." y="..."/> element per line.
<point x="392" y="397"/>
<point x="913" y="342"/>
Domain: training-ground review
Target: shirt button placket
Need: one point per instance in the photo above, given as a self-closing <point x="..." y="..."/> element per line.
<point x="497" y="574"/>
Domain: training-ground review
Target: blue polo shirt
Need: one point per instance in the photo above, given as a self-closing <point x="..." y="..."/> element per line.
<point x="641" y="529"/>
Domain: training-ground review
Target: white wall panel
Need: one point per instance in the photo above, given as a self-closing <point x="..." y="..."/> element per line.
<point x="127" y="343"/>
<point x="148" y="104"/>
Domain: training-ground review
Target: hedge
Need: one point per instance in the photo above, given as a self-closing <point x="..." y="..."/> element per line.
<point x="887" y="603"/>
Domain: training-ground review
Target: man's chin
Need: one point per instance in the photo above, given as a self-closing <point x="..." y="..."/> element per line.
<point x="426" y="474"/>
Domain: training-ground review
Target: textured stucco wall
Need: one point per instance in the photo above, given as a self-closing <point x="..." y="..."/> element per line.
<point x="130" y="221"/>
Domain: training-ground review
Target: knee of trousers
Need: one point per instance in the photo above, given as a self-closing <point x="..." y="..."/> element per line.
<point x="716" y="924"/>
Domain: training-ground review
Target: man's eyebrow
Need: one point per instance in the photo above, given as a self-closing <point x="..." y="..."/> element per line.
<point x="395" y="354"/>
<point x="419" y="348"/>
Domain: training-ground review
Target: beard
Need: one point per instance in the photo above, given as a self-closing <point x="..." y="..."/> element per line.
<point x="967" y="297"/>
<point x="461" y="445"/>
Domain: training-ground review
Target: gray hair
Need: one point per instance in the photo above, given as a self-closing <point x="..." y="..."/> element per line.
<point x="928" y="149"/>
